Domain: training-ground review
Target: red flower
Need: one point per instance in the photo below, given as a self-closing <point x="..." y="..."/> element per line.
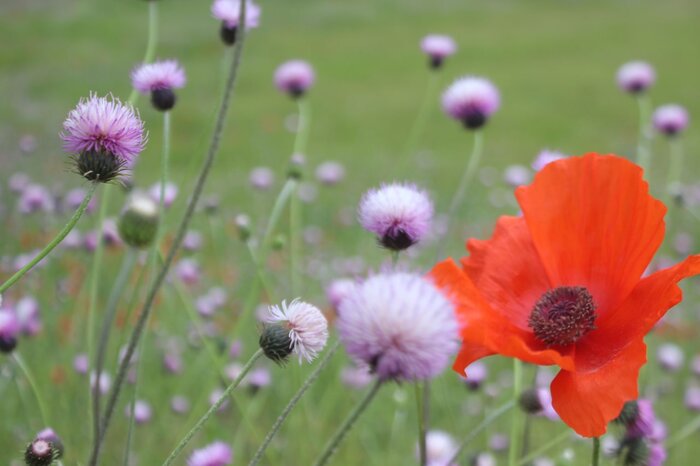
<point x="563" y="285"/>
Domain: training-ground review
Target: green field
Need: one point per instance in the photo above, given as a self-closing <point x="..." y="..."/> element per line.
<point x="554" y="63"/>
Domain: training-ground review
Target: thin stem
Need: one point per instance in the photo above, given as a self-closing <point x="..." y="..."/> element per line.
<point x="595" y="459"/>
<point x="186" y="439"/>
<point x="545" y="448"/>
<point x="422" y="447"/>
<point x="674" y="176"/>
<point x="490" y="419"/>
<point x="259" y="270"/>
<point x="295" y="225"/>
<point x="423" y="113"/>
<point x="303" y="126"/>
<point x="516" y="419"/>
<point x="182" y="230"/>
<point x="110" y="312"/>
<point x="151" y="44"/>
<point x="644" y="137"/>
<point x="287" y="190"/>
<point x="340" y="434"/>
<point x="292" y="403"/>
<point x="54" y="242"/>
<point x="35" y="388"/>
<point x="685" y="432"/>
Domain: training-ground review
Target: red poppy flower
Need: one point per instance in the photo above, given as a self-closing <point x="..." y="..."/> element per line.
<point x="562" y="285"/>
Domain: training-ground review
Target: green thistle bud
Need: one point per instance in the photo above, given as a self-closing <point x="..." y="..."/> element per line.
<point x="275" y="343"/>
<point x="138" y="223"/>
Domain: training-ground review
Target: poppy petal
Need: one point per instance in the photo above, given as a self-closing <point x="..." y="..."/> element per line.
<point x="636" y="316"/>
<point x="594" y="224"/>
<point x="587" y="401"/>
<point x="485" y="331"/>
<point x="507" y="270"/>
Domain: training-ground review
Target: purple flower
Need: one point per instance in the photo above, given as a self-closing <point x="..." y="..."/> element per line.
<point x="692" y="398"/>
<point x="657" y="455"/>
<point x="36" y="198"/>
<point x="635" y="77"/>
<point x="516" y="175"/>
<point x="471" y="100"/>
<point x="356" y="376"/>
<point x="670" y="357"/>
<point x="105" y="382"/>
<point x="9" y="329"/>
<point x="214" y="454"/>
<point x="294" y="77"/>
<point x="170" y="193"/>
<point x="188" y="271"/>
<point x="399" y="214"/>
<point x="227" y="11"/>
<point x="670" y="119"/>
<point x="476" y="374"/>
<point x="142" y="412"/>
<point x="73" y="199"/>
<point x="81" y="364"/>
<point x="261" y="178"/>
<point x="438" y="47"/>
<point x="643" y="424"/>
<point x="179" y="404"/>
<point x="258" y="378"/>
<point x="192" y="241"/>
<point x="399" y="325"/>
<point x="338" y="290"/>
<point x="27" y="312"/>
<point x="101" y="130"/>
<point x="172" y="361"/>
<point x="330" y="173"/>
<point x="166" y="74"/>
<point x="306" y="326"/>
<point x="544" y="157"/>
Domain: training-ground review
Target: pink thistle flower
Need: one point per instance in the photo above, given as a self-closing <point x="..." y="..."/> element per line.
<point x="142" y="412"/>
<point x="305" y="327"/>
<point x="294" y="77"/>
<point x="471" y="100"/>
<point x="399" y="214"/>
<point x="73" y="199"/>
<point x="227" y="12"/>
<point x="179" y="404"/>
<point x="330" y="173"/>
<point x="670" y="357"/>
<point x="261" y="178"/>
<point x="670" y="120"/>
<point x="105" y="135"/>
<point x="440" y="447"/>
<point x="36" y="198"/>
<point x="399" y="325"/>
<point x="9" y="330"/>
<point x="160" y="79"/>
<point x="171" y="191"/>
<point x="214" y="454"/>
<point x="338" y="290"/>
<point x="438" y="47"/>
<point x="356" y="376"/>
<point x="635" y="77"/>
<point x="27" y="312"/>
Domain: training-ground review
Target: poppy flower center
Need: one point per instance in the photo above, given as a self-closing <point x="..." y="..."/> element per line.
<point x="563" y="315"/>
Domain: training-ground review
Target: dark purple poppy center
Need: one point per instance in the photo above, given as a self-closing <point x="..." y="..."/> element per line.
<point x="563" y="315"/>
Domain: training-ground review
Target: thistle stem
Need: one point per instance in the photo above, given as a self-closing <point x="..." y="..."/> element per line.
<point x="54" y="242"/>
<point x="150" y="44"/>
<point x="35" y="388"/>
<point x="685" y="432"/>
<point x="182" y="230"/>
<point x="422" y="447"/>
<point x="292" y="403"/>
<point x="421" y="120"/>
<point x="340" y="434"/>
<point x="544" y="448"/>
<point x="516" y="423"/>
<point x="644" y="137"/>
<point x="595" y="459"/>
<point x="490" y="419"/>
<point x="186" y="439"/>
<point x="674" y="176"/>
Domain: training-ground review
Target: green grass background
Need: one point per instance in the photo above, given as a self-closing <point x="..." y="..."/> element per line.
<point x="554" y="62"/>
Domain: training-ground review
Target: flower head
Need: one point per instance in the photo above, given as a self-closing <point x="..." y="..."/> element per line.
<point x="105" y="136"/>
<point x="294" y="77"/>
<point x="399" y="325"/>
<point x="438" y="47"/>
<point x="635" y="77"/>
<point x="298" y="328"/>
<point x="471" y="100"/>
<point x="227" y="11"/>
<point x="400" y="214"/>
<point x="214" y="454"/>
<point x="160" y="79"/>
<point x="670" y="119"/>
<point x="563" y="285"/>
<point x="9" y="330"/>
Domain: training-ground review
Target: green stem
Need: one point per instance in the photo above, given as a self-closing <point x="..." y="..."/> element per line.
<point x="151" y="44"/>
<point x="182" y="230"/>
<point x="490" y="419"/>
<point x="674" y="177"/>
<point x="685" y="432"/>
<point x="644" y="137"/>
<point x="595" y="458"/>
<point x="544" y="448"/>
<point x="54" y="242"/>
<point x="422" y="447"/>
<point x="295" y="225"/>
<point x="303" y="126"/>
<point x="260" y="271"/>
<point x="35" y="388"/>
<point x="292" y="403"/>
<point x="183" y="443"/>
<point x="423" y="113"/>
<point x="515" y="436"/>
<point x="333" y="444"/>
<point x="287" y="190"/>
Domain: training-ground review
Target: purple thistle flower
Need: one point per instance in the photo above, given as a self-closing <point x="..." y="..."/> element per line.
<point x="105" y="135"/>
<point x="330" y="173"/>
<point x="192" y="241"/>
<point x="27" y="312"/>
<point x="214" y="454"/>
<point x="305" y="325"/>
<point x="670" y="357"/>
<point x="440" y="447"/>
<point x="142" y="412"/>
<point x="635" y="77"/>
<point x="356" y="376"/>
<point x="438" y="47"/>
<point x="643" y="424"/>
<point x="188" y="271"/>
<point x="179" y="404"/>
<point x="227" y="12"/>
<point x="171" y="191"/>
<point x="9" y="330"/>
<point x="471" y="100"/>
<point x="400" y="214"/>
<point x="36" y="198"/>
<point x="338" y="290"/>
<point x="657" y="455"/>
<point x="670" y="120"/>
<point x="399" y="325"/>
<point x="73" y="199"/>
<point x="294" y="77"/>
<point x="261" y="178"/>
<point x="160" y="78"/>
<point x="692" y="398"/>
<point x="516" y="175"/>
<point x="476" y="374"/>
<point x="258" y="378"/>
<point x="81" y="364"/>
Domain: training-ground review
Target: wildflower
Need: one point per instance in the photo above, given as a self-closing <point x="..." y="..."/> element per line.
<point x="671" y="357"/>
<point x="104" y="135"/>
<point x="9" y="329"/>
<point x="261" y="178"/>
<point x="138" y="222"/>
<point x="670" y="120"/>
<point x="74" y="198"/>
<point x="294" y="77"/>
<point x="170" y="192"/>
<point x="635" y="77"/>
<point x="562" y="285"/>
<point x="440" y="447"/>
<point x="400" y="214"/>
<point x="337" y="290"/>
<point x="36" y="198"/>
<point x="477" y="375"/>
<point x="28" y="318"/>
<point x="471" y="100"/>
<point x="142" y="411"/>
<point x="299" y="328"/>
<point x="516" y="175"/>
<point x="438" y="47"/>
<point x="160" y="78"/>
<point x="330" y="173"/>
<point x="188" y="271"/>
<point x="355" y="376"/>
<point x="214" y="454"/>
<point x="399" y="325"/>
<point x="40" y="453"/>
<point x="50" y="436"/>
<point x="179" y="404"/>
<point x="81" y="363"/>
<point x="192" y="241"/>
<point x="692" y="398"/>
<point x="227" y="12"/>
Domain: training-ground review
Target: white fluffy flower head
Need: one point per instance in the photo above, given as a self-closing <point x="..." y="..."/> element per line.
<point x="308" y="328"/>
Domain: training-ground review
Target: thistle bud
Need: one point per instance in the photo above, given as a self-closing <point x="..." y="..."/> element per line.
<point x="40" y="453"/>
<point x="276" y="343"/>
<point x="138" y="223"/>
<point x="530" y="401"/>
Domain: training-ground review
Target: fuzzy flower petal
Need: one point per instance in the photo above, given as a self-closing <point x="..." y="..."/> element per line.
<point x="227" y="11"/>
<point x="308" y="328"/>
<point x="166" y="74"/>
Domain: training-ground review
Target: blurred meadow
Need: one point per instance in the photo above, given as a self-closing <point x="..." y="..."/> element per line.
<point x="554" y="63"/>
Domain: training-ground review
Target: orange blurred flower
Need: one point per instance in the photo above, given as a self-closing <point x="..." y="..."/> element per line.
<point x="562" y="284"/>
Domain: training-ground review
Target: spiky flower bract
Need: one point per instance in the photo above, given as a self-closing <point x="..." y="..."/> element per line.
<point x="301" y="324"/>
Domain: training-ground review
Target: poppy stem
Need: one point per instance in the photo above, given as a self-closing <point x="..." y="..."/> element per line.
<point x="516" y="423"/>
<point x="595" y="460"/>
<point x="644" y="138"/>
<point x="340" y="434"/>
<point x="490" y="419"/>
